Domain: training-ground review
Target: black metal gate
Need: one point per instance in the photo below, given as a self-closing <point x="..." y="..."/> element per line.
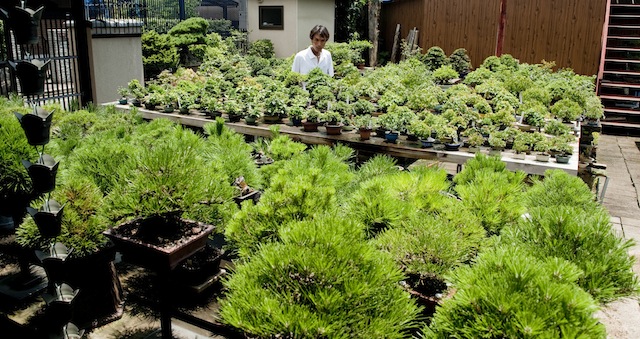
<point x="61" y="47"/>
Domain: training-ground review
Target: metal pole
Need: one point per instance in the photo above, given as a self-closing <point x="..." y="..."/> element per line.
<point x="183" y="15"/>
<point x="82" y="49"/>
<point x="501" y="26"/>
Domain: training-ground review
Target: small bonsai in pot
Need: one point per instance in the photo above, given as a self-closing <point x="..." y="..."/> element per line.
<point x="566" y="110"/>
<point x="275" y="108"/>
<point x="522" y="145"/>
<point x="252" y="114"/>
<point x="562" y="149"/>
<point x="593" y="110"/>
<point x="333" y="122"/>
<point x="124" y="93"/>
<point x="234" y="109"/>
<point x="295" y="114"/>
<point x="444" y="75"/>
<point x="364" y="123"/>
<point x="311" y="116"/>
<point x="392" y="125"/>
<point x="542" y="147"/>
<point x="363" y="106"/>
<point x="460" y="61"/>
<point x="137" y="90"/>
<point x="498" y="142"/>
<point x="422" y="131"/>
<point x="474" y="140"/>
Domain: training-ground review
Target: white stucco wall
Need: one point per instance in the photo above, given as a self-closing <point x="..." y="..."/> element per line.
<point x="115" y="62"/>
<point x="299" y="17"/>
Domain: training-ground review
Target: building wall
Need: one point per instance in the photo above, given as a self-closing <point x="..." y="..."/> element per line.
<point x="111" y="68"/>
<point x="565" y="31"/>
<point x="299" y="17"/>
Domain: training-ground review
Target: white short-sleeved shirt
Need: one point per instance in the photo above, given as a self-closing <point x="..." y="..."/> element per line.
<point x="305" y="61"/>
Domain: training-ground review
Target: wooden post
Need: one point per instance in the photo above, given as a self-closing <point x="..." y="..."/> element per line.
<point x="374" y="18"/>
<point x="501" y="26"/>
<point x="396" y="42"/>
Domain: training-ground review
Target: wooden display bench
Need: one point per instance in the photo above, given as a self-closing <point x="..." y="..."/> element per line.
<point x="402" y="148"/>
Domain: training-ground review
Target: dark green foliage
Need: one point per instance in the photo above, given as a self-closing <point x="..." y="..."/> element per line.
<point x="428" y="247"/>
<point x="171" y="175"/>
<point x="585" y="238"/>
<point x="306" y="186"/>
<point x="189" y="32"/>
<point x="262" y="48"/>
<point x="72" y="128"/>
<point x="322" y="281"/>
<point x="158" y="53"/>
<point x="559" y="188"/>
<point x="510" y="294"/>
<point x="434" y="58"/>
<point x="460" y="61"/>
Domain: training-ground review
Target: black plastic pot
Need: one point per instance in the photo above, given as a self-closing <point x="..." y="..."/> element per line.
<point x="36" y="126"/>
<point x="42" y="173"/>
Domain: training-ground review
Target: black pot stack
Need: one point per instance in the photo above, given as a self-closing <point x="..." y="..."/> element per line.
<point x="24" y="22"/>
<point x="48" y="218"/>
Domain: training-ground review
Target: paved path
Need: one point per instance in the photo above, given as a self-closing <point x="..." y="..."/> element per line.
<point x="622" y="199"/>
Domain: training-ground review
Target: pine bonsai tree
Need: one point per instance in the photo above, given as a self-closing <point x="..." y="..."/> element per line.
<point x="510" y="294"/>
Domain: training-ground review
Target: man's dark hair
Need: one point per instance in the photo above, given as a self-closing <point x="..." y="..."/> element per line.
<point x="321" y="30"/>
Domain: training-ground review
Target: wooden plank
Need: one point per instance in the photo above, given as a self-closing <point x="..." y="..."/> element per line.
<point x="396" y="43"/>
<point x="404" y="148"/>
<point x="620" y="97"/>
<point x="606" y="83"/>
<point x="620" y="111"/>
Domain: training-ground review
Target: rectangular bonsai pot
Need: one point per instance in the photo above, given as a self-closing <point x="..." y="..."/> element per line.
<point x="157" y="258"/>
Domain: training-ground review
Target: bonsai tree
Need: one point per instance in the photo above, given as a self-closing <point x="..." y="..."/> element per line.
<point x="124" y="93"/>
<point x="460" y="61"/>
<point x="542" y="145"/>
<point x="498" y="140"/>
<point x="137" y="90"/>
<point x="364" y="122"/>
<point x="262" y="48"/>
<point x="363" y="107"/>
<point x="475" y="139"/>
<point x="556" y="128"/>
<point x="312" y="115"/>
<point x="332" y="118"/>
<point x="420" y="129"/>
<point x="560" y="146"/>
<point x="232" y="107"/>
<point x="390" y="122"/>
<point x="593" y="109"/>
<point x="252" y="113"/>
<point x="566" y="110"/>
<point x="434" y="58"/>
<point x="444" y="74"/>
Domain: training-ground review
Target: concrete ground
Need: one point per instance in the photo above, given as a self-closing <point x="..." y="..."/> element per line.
<point x="622" y="199"/>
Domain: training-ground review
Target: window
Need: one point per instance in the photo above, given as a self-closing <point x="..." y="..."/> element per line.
<point x="271" y="17"/>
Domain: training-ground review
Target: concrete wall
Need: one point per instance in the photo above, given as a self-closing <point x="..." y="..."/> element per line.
<point x="299" y="17"/>
<point x="115" y="61"/>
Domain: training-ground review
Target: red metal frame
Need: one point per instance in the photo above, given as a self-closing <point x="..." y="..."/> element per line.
<point x="603" y="46"/>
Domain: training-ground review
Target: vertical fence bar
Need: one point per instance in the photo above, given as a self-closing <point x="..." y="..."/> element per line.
<point x="82" y="48"/>
<point x="183" y="14"/>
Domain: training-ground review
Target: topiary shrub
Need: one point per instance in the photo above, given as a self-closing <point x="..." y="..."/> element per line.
<point x="322" y="281"/>
<point x="190" y="37"/>
<point x="460" y="61"/>
<point x="585" y="238"/>
<point x="510" y="294"/>
<point x="444" y="73"/>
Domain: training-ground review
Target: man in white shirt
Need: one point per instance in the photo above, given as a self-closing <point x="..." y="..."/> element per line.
<point x="315" y="55"/>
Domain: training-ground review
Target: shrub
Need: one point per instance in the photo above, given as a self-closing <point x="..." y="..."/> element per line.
<point x="443" y="74"/>
<point x="158" y="53"/>
<point x="434" y="58"/>
<point x="560" y="189"/>
<point x="585" y="238"/>
<point x="323" y="280"/>
<point x="510" y="294"/>
<point x="428" y="247"/>
<point x="262" y="48"/>
<point x="460" y="61"/>
<point x="566" y="109"/>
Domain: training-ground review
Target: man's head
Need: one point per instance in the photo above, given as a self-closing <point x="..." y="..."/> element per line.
<point x="319" y="36"/>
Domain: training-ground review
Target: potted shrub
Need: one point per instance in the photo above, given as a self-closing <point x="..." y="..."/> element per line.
<point x="448" y="135"/>
<point x="562" y="149"/>
<point x="474" y="140"/>
<point x="295" y="114"/>
<point x="364" y="123"/>
<point x="521" y="147"/>
<point x="497" y="141"/>
<point x="391" y="124"/>
<point x="234" y="110"/>
<point x="124" y="93"/>
<point x="566" y="110"/>
<point x="593" y="110"/>
<point x="434" y="58"/>
<point x="460" y="61"/>
<point x="363" y="106"/>
<point x="422" y="130"/>
<point x="444" y="75"/>
<point x="137" y="90"/>
<point x="275" y="107"/>
<point x="152" y="100"/>
<point x="311" y="116"/>
<point x="251" y="115"/>
<point x="542" y="147"/>
<point x="333" y="122"/>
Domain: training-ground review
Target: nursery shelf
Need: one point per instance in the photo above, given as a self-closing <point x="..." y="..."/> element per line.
<point x="403" y="148"/>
